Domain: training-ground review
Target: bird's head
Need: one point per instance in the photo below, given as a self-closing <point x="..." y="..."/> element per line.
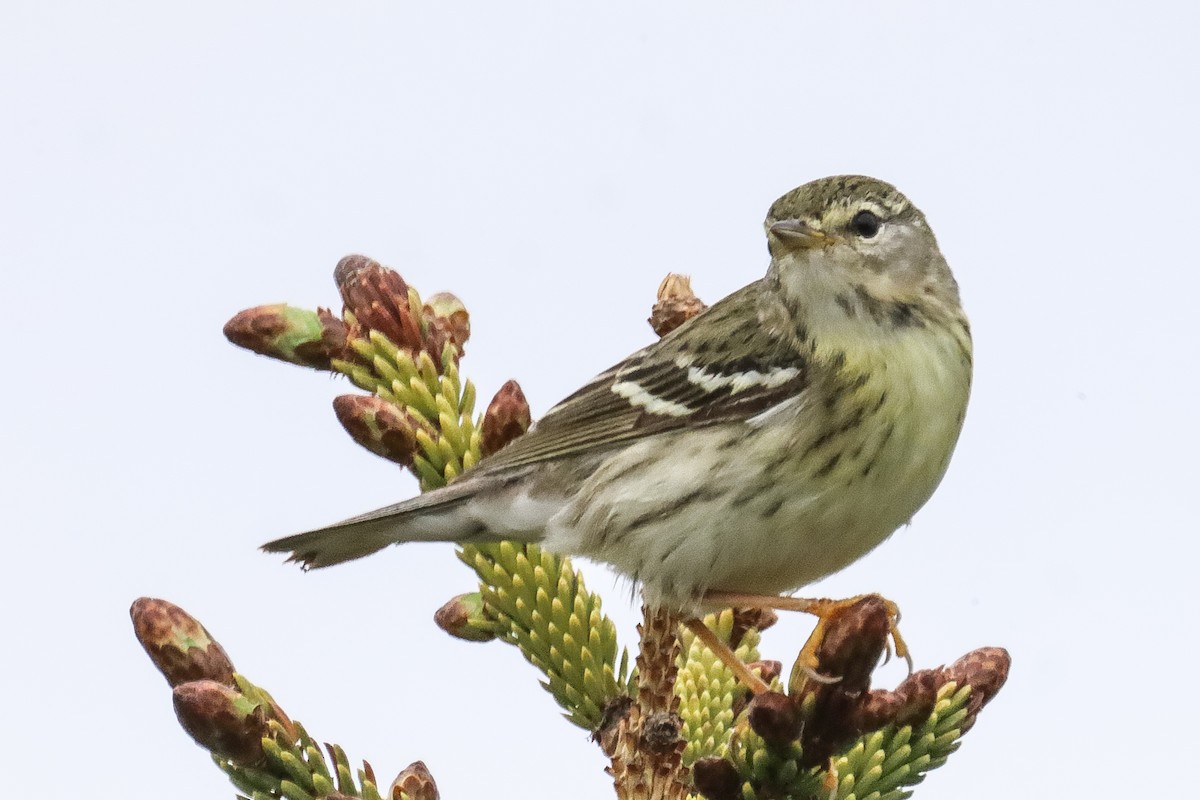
<point x="860" y="240"/>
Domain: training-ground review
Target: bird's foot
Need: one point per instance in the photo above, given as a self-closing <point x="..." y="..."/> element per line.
<point x="826" y="611"/>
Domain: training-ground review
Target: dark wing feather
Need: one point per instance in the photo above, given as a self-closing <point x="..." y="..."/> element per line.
<point x="668" y="396"/>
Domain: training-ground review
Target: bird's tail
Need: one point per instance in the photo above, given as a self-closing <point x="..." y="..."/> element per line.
<point x="445" y="515"/>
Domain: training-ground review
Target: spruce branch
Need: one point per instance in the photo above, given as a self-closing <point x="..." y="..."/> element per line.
<point x="709" y="694"/>
<point x="260" y="748"/>
<point x="420" y="415"/>
<point x="679" y="724"/>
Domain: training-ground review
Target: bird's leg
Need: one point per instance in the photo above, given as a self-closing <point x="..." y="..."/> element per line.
<point x="755" y="684"/>
<point x="824" y="609"/>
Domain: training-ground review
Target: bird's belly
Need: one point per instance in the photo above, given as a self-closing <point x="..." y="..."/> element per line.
<point x="789" y="539"/>
<point x="741" y="509"/>
<point x="682" y="533"/>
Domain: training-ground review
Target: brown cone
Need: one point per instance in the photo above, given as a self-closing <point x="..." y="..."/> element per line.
<point x="676" y="304"/>
<point x="775" y="718"/>
<point x="221" y="720"/>
<point x="506" y="418"/>
<point x="853" y="642"/>
<point x="378" y="299"/>
<point x="985" y="670"/>
<point x="717" y="779"/>
<point x="416" y="782"/>
<point x="447" y="321"/>
<point x="279" y="331"/>
<point x="178" y="644"/>
<point x="383" y="428"/>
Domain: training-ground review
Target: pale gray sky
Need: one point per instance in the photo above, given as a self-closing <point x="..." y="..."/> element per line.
<point x="162" y="167"/>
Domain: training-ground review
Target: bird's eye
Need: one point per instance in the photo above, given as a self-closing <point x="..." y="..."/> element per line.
<point x="865" y="224"/>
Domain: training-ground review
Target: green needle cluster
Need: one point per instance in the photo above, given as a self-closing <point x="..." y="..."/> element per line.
<point x="299" y="771"/>
<point x="265" y="754"/>
<point x="708" y="690"/>
<point x="540" y="604"/>
<point x="882" y="763"/>
<point x="446" y="432"/>
<point x="878" y="766"/>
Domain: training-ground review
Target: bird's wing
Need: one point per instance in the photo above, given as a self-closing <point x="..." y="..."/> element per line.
<point x="730" y="363"/>
<point x="687" y="378"/>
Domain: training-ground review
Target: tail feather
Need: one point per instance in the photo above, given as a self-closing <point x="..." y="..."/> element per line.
<point x="360" y="536"/>
<point x="451" y="514"/>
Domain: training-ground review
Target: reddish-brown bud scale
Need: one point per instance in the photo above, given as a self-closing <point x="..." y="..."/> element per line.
<point x="446" y="322"/>
<point x="465" y="617"/>
<point x="282" y="332"/>
<point x="918" y="694"/>
<point x="854" y="641"/>
<point x="879" y="708"/>
<point x="676" y="304"/>
<point x="221" y="720"/>
<point x="383" y="428"/>
<point x="333" y="335"/>
<point x="378" y="299"/>
<point x="178" y="644"/>
<point x="985" y="670"/>
<point x="775" y="718"/>
<point x="909" y="704"/>
<point x="850" y="647"/>
<point x="716" y="779"/>
<point x="506" y="418"/>
<point x="416" y="782"/>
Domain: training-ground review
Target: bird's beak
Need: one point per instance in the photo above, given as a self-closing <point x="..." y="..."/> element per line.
<point x="795" y="233"/>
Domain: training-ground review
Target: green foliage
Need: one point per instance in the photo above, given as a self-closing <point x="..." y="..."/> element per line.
<point x="878" y="766"/>
<point x="541" y="605"/>
<point x="708" y="690"/>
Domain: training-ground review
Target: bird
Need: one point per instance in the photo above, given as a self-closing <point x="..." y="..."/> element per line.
<point x="766" y="443"/>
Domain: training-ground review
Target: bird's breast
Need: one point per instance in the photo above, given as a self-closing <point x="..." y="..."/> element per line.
<point x="771" y="506"/>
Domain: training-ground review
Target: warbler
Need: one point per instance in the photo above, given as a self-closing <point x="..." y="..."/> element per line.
<point x="766" y="443"/>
